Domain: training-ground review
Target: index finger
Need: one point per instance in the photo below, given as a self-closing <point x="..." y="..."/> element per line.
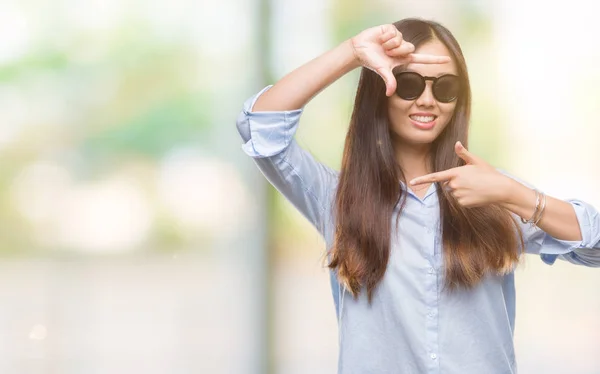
<point x="418" y="58"/>
<point x="440" y="176"/>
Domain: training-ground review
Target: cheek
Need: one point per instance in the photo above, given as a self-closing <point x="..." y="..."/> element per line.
<point x="447" y="112"/>
<point x="398" y="108"/>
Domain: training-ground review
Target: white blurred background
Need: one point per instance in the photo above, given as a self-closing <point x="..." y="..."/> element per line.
<point x="137" y="237"/>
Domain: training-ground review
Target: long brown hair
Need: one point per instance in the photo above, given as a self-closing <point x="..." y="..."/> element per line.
<point x="476" y="241"/>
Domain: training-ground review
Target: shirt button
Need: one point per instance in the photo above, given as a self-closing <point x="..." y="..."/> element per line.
<point x="430" y="315"/>
<point x="433" y="356"/>
<point x="431" y="270"/>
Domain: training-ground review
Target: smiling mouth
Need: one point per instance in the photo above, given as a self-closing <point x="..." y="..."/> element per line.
<point x="423" y="119"/>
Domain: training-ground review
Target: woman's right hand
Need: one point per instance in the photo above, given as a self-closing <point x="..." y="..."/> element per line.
<point x="382" y="48"/>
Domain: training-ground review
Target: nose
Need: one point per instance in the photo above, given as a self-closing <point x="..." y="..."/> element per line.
<point x="426" y="99"/>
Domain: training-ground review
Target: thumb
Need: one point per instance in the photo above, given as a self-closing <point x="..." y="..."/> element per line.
<point x="389" y="79"/>
<point x="467" y="156"/>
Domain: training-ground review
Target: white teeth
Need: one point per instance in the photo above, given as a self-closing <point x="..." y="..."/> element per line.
<point x="423" y="119"/>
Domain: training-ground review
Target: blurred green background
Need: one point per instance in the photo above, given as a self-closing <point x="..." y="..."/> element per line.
<point x="137" y="236"/>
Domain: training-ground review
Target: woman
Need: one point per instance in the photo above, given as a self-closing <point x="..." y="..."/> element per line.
<point x="423" y="236"/>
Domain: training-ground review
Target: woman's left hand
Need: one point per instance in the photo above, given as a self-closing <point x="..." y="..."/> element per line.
<point x="475" y="184"/>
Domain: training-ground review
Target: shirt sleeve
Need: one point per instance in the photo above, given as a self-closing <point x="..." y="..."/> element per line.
<point x="584" y="252"/>
<point x="269" y="140"/>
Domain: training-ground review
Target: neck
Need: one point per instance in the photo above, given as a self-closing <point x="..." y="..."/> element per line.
<point x="414" y="159"/>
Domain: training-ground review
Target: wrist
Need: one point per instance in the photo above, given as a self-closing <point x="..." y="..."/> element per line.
<point x="351" y="59"/>
<point x="519" y="198"/>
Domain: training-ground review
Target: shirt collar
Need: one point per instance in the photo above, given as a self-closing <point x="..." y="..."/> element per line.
<point x="431" y="190"/>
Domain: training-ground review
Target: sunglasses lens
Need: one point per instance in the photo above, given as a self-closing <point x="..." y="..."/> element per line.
<point x="409" y="86"/>
<point x="446" y="88"/>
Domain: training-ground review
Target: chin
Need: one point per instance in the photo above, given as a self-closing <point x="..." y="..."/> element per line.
<point x="408" y="134"/>
<point x="421" y="141"/>
<point x="417" y="139"/>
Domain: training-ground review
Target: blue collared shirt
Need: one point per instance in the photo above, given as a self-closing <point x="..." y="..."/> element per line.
<point x="412" y="325"/>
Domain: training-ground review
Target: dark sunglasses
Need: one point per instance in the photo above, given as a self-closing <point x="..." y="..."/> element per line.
<point x="410" y="86"/>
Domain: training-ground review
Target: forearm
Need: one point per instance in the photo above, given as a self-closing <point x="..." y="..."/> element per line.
<point x="558" y="220"/>
<point x="297" y="88"/>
